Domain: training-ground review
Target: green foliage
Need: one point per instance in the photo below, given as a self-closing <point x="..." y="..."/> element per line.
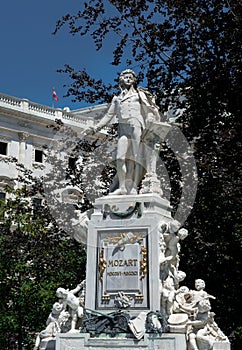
<point x="190" y="48"/>
<point x="36" y="257"/>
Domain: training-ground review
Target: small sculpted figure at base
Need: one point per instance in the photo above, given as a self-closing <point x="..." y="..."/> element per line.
<point x="209" y="334"/>
<point x="187" y="300"/>
<point x="172" y="235"/>
<point x="194" y="296"/>
<point x="53" y="326"/>
<point x="170" y="278"/>
<point x="201" y="329"/>
<point x="134" y="108"/>
<point x="200" y="321"/>
<point x="71" y="303"/>
<point x="122" y="301"/>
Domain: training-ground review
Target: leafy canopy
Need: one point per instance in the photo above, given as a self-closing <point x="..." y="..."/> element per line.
<point x="191" y="48"/>
<point x="36" y="257"/>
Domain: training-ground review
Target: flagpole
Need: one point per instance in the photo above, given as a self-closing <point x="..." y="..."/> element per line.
<point x="54" y="97"/>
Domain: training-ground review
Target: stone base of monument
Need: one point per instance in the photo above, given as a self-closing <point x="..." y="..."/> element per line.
<point x="122" y="246"/>
<point x="48" y="344"/>
<point x="83" y="341"/>
<point x="218" y="345"/>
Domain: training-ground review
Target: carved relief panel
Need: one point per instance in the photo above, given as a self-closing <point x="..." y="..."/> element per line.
<point x="122" y="278"/>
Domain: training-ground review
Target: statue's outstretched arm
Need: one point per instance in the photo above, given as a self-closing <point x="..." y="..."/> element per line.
<point x="104" y="121"/>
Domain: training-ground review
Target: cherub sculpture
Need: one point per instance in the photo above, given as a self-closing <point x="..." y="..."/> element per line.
<point x="71" y="303"/>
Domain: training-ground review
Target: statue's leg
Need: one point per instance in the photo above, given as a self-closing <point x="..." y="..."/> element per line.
<point x="170" y="302"/>
<point x="122" y="149"/>
<point x="73" y="320"/>
<point x="80" y="311"/>
<point x="164" y="298"/>
<point x="37" y="343"/>
<point x="136" y="150"/>
<point x="192" y="342"/>
<point x="204" y="339"/>
<point x="130" y="166"/>
<point x="140" y="167"/>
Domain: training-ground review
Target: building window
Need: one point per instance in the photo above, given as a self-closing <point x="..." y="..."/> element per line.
<point x="3" y="148"/>
<point x="37" y="202"/>
<point x="72" y="162"/>
<point x="2" y="196"/>
<point x="38" y="156"/>
<point x="2" y="199"/>
<point x="37" y="206"/>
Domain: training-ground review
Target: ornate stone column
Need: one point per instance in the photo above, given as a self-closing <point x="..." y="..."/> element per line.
<point x="22" y="146"/>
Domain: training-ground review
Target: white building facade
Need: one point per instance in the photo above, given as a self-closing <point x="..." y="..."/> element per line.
<point x="25" y="132"/>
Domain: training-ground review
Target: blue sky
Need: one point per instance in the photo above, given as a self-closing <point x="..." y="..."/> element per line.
<point x="30" y="54"/>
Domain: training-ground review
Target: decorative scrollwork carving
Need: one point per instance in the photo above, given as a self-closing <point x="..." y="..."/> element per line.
<point x="143" y="263"/>
<point x="102" y="264"/>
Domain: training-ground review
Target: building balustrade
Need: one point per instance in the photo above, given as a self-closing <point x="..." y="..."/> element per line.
<point x="32" y="108"/>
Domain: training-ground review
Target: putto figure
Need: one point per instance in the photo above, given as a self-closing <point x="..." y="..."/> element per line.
<point x="71" y="303"/>
<point x="134" y="108"/>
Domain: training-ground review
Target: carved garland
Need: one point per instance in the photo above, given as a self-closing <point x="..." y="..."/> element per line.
<point x="102" y="264"/>
<point x="116" y="239"/>
<point x="143" y="263"/>
<point x="132" y="209"/>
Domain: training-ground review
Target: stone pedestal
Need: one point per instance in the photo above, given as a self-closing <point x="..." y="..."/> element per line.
<point x="48" y="344"/>
<point x="69" y="341"/>
<point x="221" y="345"/>
<point x="123" y="252"/>
<point x="123" y="273"/>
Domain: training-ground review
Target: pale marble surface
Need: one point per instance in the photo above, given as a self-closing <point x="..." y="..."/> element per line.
<point x="140" y="134"/>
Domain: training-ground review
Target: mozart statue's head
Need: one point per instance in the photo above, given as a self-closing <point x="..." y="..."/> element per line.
<point x="127" y="78"/>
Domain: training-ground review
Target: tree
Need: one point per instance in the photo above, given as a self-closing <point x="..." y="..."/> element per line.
<point x="36" y="257"/>
<point x="193" y="49"/>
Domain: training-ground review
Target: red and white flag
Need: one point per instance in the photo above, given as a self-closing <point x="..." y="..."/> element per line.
<point x="54" y="95"/>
